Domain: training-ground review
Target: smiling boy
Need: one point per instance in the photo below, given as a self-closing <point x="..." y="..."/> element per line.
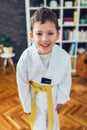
<point x="44" y="73"/>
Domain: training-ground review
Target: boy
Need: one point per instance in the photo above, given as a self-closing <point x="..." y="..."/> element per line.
<point x="44" y="73"/>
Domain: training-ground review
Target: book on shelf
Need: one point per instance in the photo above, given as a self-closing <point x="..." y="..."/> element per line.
<point x="69" y="34"/>
<point x="68" y="21"/>
<point x="75" y="17"/>
<point x="72" y="51"/>
<point x="82" y="35"/>
<point x="65" y="34"/>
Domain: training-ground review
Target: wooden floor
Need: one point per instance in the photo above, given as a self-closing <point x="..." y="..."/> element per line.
<point x="72" y="117"/>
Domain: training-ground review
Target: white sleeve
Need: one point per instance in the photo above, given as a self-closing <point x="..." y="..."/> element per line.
<point x="65" y="86"/>
<point x="23" y="85"/>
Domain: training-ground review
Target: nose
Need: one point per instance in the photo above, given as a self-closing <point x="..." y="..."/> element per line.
<point x="44" y="38"/>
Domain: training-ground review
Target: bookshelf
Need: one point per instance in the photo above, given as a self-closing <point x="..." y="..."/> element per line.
<point x="72" y="18"/>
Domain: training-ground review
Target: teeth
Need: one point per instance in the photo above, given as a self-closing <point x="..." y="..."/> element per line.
<point x="44" y="45"/>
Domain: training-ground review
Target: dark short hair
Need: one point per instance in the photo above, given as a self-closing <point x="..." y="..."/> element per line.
<point x="42" y="15"/>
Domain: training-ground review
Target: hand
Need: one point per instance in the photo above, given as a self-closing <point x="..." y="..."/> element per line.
<point x="58" y="108"/>
<point x="29" y="113"/>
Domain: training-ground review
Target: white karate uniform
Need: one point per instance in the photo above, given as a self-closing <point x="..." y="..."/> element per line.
<point x="55" y="66"/>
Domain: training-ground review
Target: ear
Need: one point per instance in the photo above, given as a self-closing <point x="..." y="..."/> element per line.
<point x="31" y="36"/>
<point x="58" y="35"/>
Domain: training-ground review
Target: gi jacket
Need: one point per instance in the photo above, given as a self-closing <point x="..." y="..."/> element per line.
<point x="30" y="67"/>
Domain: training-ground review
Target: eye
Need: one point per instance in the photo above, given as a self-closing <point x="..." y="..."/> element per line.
<point x="39" y="34"/>
<point x="50" y="33"/>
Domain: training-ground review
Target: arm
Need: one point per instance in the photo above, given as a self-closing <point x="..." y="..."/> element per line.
<point x="23" y="85"/>
<point x="64" y="88"/>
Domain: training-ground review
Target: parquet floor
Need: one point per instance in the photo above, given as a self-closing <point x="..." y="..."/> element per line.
<point x="73" y="116"/>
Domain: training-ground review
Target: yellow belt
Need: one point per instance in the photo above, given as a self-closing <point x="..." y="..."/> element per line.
<point x="38" y="88"/>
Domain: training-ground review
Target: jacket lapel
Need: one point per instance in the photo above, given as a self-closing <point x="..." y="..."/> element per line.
<point x="37" y="65"/>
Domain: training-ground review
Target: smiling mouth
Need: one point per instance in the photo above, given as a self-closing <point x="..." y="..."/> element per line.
<point x="45" y="46"/>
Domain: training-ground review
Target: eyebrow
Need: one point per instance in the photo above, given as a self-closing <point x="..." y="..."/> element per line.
<point x="47" y="30"/>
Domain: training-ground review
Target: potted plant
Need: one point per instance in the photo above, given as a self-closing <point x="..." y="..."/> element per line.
<point x="7" y="43"/>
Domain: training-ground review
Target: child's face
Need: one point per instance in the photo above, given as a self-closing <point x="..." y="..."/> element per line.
<point x="44" y="36"/>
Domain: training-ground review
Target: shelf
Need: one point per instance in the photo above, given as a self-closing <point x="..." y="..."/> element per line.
<point x="72" y="18"/>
